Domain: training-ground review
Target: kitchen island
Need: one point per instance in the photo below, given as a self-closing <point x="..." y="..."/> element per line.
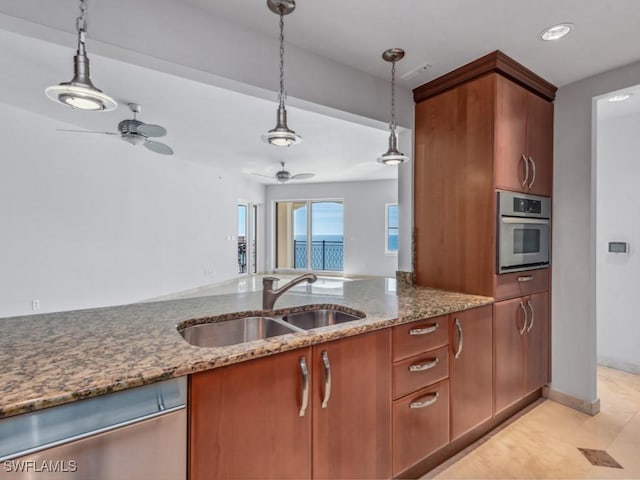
<point x="56" y="358"/>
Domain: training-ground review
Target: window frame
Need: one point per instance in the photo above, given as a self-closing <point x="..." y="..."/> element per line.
<point x="386" y="229"/>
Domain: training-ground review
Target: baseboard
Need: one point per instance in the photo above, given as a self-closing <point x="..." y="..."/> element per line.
<point x="619" y="364"/>
<point x="590" y="408"/>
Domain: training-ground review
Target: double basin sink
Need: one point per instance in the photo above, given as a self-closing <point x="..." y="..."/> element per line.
<point x="246" y="329"/>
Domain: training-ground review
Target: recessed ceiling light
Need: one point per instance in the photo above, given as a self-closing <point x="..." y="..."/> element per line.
<point x="621" y="97"/>
<point x="556" y="32"/>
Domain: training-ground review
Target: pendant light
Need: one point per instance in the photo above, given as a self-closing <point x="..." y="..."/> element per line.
<point x="392" y="156"/>
<point x="281" y="135"/>
<point x="80" y="91"/>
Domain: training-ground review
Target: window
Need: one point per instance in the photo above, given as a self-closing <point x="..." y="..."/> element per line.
<point x="391" y="229"/>
<point x="242" y="238"/>
<point x="309" y="235"/>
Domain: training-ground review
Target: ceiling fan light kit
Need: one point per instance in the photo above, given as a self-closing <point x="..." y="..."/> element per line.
<point x="135" y="132"/>
<point x="281" y="135"/>
<point x="393" y="156"/>
<point x="80" y="92"/>
<point x="284" y="175"/>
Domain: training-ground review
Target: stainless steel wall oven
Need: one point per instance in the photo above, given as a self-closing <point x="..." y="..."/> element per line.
<point x="524" y="231"/>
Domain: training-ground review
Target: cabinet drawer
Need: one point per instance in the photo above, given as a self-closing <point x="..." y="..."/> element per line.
<point x="518" y="284"/>
<point x="417" y="337"/>
<point x="420" y="371"/>
<point x="420" y="425"/>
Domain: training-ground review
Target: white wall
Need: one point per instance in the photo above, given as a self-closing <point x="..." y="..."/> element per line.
<point x="574" y="238"/>
<point x="182" y="39"/>
<point x="364" y="220"/>
<point x="88" y="220"/>
<point x="618" y="275"/>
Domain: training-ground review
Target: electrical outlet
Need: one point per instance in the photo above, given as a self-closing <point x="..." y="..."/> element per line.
<point x="35" y="304"/>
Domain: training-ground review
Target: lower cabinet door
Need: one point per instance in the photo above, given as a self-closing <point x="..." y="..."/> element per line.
<point x="537" y="338"/>
<point x="420" y="425"/>
<point x="352" y="407"/>
<point x="510" y="319"/>
<point x="246" y="420"/>
<point x="471" y="369"/>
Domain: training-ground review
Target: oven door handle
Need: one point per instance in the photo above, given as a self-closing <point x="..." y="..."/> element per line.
<point x="525" y="220"/>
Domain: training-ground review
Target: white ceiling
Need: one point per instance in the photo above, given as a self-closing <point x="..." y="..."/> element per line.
<point x="205" y="124"/>
<point x="450" y="33"/>
<point x="209" y="124"/>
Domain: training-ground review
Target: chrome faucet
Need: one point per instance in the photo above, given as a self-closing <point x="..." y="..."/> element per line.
<point x="269" y="295"/>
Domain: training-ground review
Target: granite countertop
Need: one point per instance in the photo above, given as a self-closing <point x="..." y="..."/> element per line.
<point x="51" y="359"/>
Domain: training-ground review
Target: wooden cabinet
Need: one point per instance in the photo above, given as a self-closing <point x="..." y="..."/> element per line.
<point x="521" y="347"/>
<point x="352" y="429"/>
<point x="523" y="139"/>
<point x="247" y="421"/>
<point x="420" y="425"/>
<point x="471" y="369"/>
<point x="420" y="390"/>
<point x="480" y="128"/>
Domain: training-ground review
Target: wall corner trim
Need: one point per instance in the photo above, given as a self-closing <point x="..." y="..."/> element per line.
<point x="590" y="408"/>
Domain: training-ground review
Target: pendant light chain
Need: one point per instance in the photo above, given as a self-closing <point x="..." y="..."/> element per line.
<point x="81" y="21"/>
<point x="392" y="126"/>
<point x="81" y="24"/>
<point x="283" y="93"/>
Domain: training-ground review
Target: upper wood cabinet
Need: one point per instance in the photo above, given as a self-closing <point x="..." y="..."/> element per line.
<point x="485" y="126"/>
<point x="523" y="139"/>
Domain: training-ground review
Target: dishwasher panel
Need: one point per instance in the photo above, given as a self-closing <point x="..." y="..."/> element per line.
<point x="133" y="434"/>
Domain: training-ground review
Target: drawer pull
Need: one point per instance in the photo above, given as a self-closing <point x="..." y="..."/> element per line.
<point x="460" y="338"/>
<point x="305" y="386"/>
<point x="424" y="331"/>
<point x="425" y="401"/>
<point x="526" y="278"/>
<point x="327" y="379"/>
<point x="524" y="315"/>
<point x="421" y="367"/>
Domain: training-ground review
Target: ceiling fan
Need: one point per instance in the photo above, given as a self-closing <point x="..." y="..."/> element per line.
<point x="136" y="132"/>
<point x="284" y="176"/>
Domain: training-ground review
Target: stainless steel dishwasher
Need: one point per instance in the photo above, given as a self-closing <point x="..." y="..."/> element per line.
<point x="135" y="434"/>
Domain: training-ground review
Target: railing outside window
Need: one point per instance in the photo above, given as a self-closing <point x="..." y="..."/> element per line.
<point x="325" y="255"/>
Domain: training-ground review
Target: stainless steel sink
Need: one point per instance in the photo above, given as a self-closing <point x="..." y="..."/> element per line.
<point x="320" y="318"/>
<point x="232" y="332"/>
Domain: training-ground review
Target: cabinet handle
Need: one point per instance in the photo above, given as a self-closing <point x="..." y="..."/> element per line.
<point x="428" y="400"/>
<point x="533" y="171"/>
<point x="532" y="315"/>
<point x="305" y="386"/>
<point x="526" y="170"/>
<point x="424" y="330"/>
<point x="421" y="367"/>
<point x="459" y="327"/>
<point x="524" y="312"/>
<point x="526" y="278"/>
<point x="327" y="379"/>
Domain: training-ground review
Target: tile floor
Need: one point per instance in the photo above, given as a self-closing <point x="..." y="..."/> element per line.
<point x="544" y="442"/>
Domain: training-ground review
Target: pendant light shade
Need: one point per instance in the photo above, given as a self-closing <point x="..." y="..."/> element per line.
<point x="80" y="92"/>
<point x="393" y="156"/>
<point x="281" y="135"/>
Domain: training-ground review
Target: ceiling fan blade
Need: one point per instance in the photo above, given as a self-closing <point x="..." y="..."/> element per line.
<point x="261" y="175"/>
<point x="149" y="130"/>
<point x="302" y="176"/>
<point x="158" y="147"/>
<point x="85" y="131"/>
